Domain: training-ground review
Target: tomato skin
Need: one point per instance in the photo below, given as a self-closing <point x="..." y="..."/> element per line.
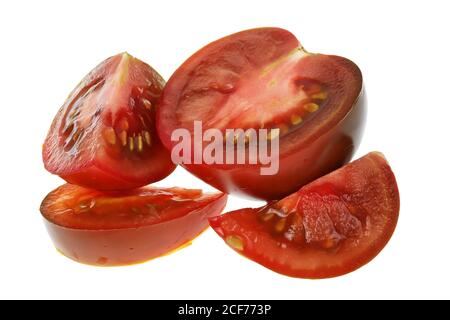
<point x="109" y="246"/>
<point x="367" y="187"/>
<point x="321" y="147"/>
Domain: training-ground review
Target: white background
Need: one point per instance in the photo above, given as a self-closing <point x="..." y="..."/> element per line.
<point x="403" y="50"/>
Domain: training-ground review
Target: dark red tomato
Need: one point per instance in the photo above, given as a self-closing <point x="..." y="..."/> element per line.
<point x="263" y="78"/>
<point x="328" y="228"/>
<point x="104" y="136"/>
<point x="118" y="229"/>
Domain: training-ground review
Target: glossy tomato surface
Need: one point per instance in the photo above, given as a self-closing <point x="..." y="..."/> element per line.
<point x="107" y="229"/>
<point x="264" y="79"/>
<point x="328" y="228"/>
<point x="104" y="136"/>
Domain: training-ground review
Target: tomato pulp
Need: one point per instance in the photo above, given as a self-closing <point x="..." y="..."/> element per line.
<point x="264" y="79"/>
<point x="104" y="136"/>
<point x="328" y="228"/>
<point x="109" y="229"/>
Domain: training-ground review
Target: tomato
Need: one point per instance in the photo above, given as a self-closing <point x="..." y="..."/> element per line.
<point x="263" y="78"/>
<point x="110" y="229"/>
<point x="328" y="228"/>
<point x="104" y="136"/>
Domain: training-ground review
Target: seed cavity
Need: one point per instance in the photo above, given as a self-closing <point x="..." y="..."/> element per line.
<point x="76" y="135"/>
<point x="72" y="129"/>
<point x="73" y="139"/>
<point x="68" y="129"/>
<point x="235" y="242"/>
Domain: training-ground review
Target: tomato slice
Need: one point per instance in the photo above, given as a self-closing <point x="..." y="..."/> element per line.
<point x="104" y="136"/>
<point x="264" y="79"/>
<point x="110" y="229"/>
<point x="328" y="228"/>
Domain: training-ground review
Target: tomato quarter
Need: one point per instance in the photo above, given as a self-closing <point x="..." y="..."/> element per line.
<point x="328" y="228"/>
<point x="264" y="79"/>
<point x="123" y="228"/>
<point x="104" y="136"/>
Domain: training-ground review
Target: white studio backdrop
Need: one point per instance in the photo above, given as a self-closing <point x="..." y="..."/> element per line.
<point x="403" y="51"/>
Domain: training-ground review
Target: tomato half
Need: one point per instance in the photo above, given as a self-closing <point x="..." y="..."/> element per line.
<point x="107" y="229"/>
<point x="264" y="79"/>
<point x="330" y="227"/>
<point x="104" y="136"/>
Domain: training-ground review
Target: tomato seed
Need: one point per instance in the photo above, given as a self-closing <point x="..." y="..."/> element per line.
<point x="311" y="107"/>
<point x="147" y="104"/>
<point x="147" y="137"/>
<point x="140" y="144"/>
<point x="123" y="138"/>
<point x="296" y="119"/>
<point x="280" y="225"/>
<point x="109" y="136"/>
<point x="320" y="96"/>
<point x="266" y="216"/>
<point x="235" y="242"/>
<point x="131" y="143"/>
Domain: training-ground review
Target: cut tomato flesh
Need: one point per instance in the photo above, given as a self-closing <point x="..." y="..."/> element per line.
<point x="328" y="228"/>
<point x="115" y="229"/>
<point x="264" y="79"/>
<point x="277" y="98"/>
<point x="104" y="136"/>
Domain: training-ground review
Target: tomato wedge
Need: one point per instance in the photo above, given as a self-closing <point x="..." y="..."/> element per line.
<point x="264" y="79"/>
<point x="328" y="228"/>
<point x="107" y="229"/>
<point x="104" y="136"/>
